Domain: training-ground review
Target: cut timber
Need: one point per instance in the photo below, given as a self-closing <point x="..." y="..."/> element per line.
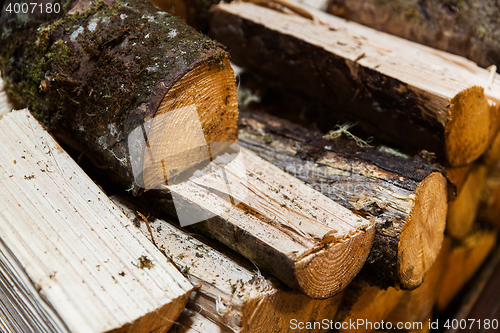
<point x="468" y="28"/>
<point x="403" y="92"/>
<point x="184" y="105"/>
<point x="489" y="206"/>
<point x="157" y="70"/>
<point x="406" y="198"/>
<point x="365" y="302"/>
<point x="285" y="227"/>
<point x="232" y="293"/>
<point x="68" y="245"/>
<point x="416" y="306"/>
<point x="462" y="263"/>
<point x="463" y="210"/>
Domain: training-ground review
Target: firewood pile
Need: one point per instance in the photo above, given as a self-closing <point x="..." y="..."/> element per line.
<point x="345" y="179"/>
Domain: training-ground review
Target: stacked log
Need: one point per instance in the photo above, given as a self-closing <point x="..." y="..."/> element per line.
<point x="308" y="227"/>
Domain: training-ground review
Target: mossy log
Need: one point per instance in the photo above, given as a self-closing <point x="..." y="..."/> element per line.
<point x="231" y="291"/>
<point x="406" y="198"/>
<point x="403" y="92"/>
<point x="106" y="72"/>
<point x="468" y="28"/>
<point x="161" y="76"/>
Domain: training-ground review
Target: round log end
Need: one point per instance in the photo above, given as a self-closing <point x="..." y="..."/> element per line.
<point x="199" y="109"/>
<point x="423" y="232"/>
<point x="467" y="133"/>
<point x="329" y="270"/>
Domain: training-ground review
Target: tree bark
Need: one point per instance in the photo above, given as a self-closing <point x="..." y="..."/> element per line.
<point x="169" y="96"/>
<point x="401" y="91"/>
<point x="71" y="262"/>
<point x="406" y="198"/>
<point x="232" y="293"/>
<point x="468" y="28"/>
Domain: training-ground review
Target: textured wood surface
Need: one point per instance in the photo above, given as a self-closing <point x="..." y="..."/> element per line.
<point x="74" y="244"/>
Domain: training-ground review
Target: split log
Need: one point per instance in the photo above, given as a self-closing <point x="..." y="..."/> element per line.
<point x="462" y="211"/>
<point x="364" y="302"/>
<point x="70" y="262"/>
<point x="416" y="306"/>
<point x="232" y="293"/>
<point x="405" y="93"/>
<point x="462" y="263"/>
<point x="153" y="64"/>
<point x="191" y="321"/>
<point x="406" y="198"/>
<point x="170" y="97"/>
<point x="467" y="28"/>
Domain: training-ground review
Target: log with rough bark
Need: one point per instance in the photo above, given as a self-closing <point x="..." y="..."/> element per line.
<point x="162" y="116"/>
<point x="468" y="28"/>
<point x="462" y="211"/>
<point x="416" y="306"/>
<point x="404" y="93"/>
<point x="232" y="293"/>
<point x="68" y="262"/>
<point x="364" y="302"/>
<point x="406" y="198"/>
<point x="464" y="260"/>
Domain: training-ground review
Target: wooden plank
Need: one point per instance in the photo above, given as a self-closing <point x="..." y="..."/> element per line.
<point x="231" y="291"/>
<point x="403" y="92"/>
<point x="73" y="243"/>
<point x="406" y="198"/>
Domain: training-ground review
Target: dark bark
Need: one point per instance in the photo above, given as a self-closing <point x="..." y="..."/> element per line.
<point x="379" y="185"/>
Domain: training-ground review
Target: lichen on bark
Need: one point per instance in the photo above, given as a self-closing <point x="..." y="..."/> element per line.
<point x="102" y="72"/>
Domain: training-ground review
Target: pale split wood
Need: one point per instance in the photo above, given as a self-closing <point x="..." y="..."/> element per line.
<point x="232" y="293"/>
<point x="287" y="228"/>
<point x="450" y="96"/>
<point x="74" y="243"/>
<point x="417" y="305"/>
